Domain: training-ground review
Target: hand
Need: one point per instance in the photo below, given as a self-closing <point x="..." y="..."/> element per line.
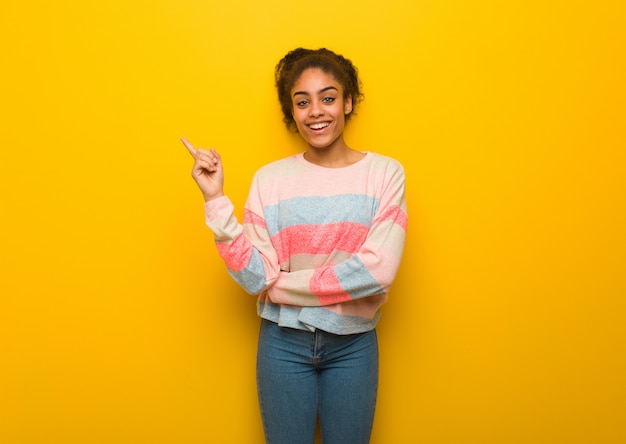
<point x="207" y="171"/>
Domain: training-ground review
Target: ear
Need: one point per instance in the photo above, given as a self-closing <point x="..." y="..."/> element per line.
<point x="347" y="106"/>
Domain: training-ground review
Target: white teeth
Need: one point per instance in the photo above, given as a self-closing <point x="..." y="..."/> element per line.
<point x="317" y="126"/>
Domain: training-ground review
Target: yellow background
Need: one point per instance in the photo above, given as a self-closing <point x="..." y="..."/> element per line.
<point x="118" y="322"/>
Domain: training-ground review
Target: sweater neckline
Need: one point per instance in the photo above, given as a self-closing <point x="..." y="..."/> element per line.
<point x="313" y="166"/>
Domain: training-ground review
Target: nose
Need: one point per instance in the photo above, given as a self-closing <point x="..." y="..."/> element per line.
<point x="316" y="109"/>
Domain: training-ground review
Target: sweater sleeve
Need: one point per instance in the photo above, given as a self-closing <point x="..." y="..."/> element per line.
<point x="245" y="248"/>
<point x="370" y="271"/>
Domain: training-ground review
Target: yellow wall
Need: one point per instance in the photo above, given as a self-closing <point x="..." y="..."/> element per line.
<point x="118" y="323"/>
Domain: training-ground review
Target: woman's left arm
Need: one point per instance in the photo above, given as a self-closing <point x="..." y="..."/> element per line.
<point x="368" y="272"/>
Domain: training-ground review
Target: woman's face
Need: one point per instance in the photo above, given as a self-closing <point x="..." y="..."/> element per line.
<point x="319" y="108"/>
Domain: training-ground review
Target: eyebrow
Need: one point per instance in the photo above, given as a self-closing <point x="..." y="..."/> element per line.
<point x="320" y="91"/>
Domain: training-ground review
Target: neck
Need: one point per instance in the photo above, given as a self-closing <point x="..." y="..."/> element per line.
<point x="337" y="156"/>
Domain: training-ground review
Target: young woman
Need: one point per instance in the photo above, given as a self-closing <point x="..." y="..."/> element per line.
<point x="320" y="243"/>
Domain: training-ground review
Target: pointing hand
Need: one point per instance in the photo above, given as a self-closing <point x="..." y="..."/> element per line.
<point x="207" y="171"/>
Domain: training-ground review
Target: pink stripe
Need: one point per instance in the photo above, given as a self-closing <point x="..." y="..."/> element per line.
<point x="252" y="218"/>
<point x="326" y="286"/>
<point x="366" y="307"/>
<point x="395" y="214"/>
<point x="236" y="253"/>
<point x="319" y="239"/>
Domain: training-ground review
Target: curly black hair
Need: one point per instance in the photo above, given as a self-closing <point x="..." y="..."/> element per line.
<point x="290" y="67"/>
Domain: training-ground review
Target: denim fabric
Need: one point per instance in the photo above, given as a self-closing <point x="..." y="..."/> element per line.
<point x="303" y="374"/>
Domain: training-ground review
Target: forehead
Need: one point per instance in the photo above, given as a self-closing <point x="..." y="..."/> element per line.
<point x="313" y="80"/>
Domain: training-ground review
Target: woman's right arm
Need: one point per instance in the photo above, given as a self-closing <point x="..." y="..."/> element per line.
<point x="246" y="249"/>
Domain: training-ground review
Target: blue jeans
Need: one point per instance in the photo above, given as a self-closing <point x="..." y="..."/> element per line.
<point x="303" y="374"/>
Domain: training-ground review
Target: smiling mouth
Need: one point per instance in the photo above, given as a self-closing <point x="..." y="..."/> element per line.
<point x="319" y="126"/>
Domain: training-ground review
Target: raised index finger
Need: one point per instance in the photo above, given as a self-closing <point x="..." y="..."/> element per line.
<point x="189" y="147"/>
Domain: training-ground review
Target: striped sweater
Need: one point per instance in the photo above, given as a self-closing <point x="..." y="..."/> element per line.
<point x="320" y="246"/>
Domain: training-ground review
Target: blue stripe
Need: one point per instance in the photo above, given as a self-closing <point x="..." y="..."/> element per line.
<point x="252" y="277"/>
<point x="356" y="280"/>
<point x="317" y="210"/>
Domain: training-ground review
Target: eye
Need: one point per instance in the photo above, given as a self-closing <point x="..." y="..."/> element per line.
<point x="302" y="103"/>
<point x="328" y="99"/>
